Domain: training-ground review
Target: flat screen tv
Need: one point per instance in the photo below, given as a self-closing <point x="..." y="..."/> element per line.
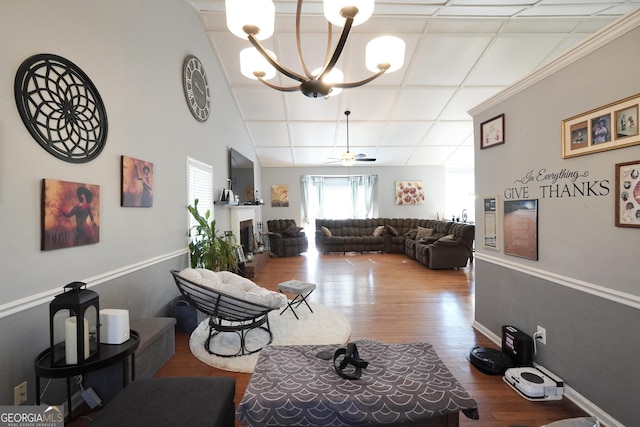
<point x="241" y="171"/>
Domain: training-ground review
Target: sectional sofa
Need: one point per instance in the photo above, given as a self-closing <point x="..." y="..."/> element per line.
<point x="434" y="243"/>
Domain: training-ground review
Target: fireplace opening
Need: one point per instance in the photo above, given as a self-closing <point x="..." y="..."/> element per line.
<point x="246" y="236"/>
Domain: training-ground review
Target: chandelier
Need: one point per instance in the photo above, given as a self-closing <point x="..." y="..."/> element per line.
<point x="254" y="20"/>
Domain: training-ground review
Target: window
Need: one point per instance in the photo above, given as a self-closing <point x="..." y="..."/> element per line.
<point x="338" y="196"/>
<point x="460" y="197"/>
<point x="200" y="186"/>
<point x="341" y="201"/>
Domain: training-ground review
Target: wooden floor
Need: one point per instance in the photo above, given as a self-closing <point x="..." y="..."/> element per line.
<point x="393" y="298"/>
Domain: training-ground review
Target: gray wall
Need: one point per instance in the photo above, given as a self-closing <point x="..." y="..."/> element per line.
<point x="133" y="52"/>
<point x="433" y="178"/>
<point x="584" y="286"/>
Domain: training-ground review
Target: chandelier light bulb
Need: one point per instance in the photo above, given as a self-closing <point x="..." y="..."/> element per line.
<point x="333" y="11"/>
<point x="385" y="51"/>
<point x="255" y="17"/>
<point x="334" y="76"/>
<point x="252" y="62"/>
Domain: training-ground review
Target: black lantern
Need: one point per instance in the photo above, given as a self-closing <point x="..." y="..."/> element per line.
<point x="73" y="325"/>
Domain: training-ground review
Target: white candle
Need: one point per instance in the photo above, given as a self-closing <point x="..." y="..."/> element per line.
<point x="70" y="340"/>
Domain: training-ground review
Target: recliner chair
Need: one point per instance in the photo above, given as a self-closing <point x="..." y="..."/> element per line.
<point x="286" y="238"/>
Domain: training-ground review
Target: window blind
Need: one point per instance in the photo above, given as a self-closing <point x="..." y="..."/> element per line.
<point x="200" y="183"/>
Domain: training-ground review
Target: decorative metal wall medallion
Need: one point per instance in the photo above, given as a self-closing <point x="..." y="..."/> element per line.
<point x="61" y="108"/>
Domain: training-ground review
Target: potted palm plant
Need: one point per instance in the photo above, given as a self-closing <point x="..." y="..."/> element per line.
<point x="208" y="247"/>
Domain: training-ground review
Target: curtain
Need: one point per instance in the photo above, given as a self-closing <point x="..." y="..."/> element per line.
<point x="318" y="182"/>
<point x="309" y="186"/>
<point x="354" y="186"/>
<point x="369" y="183"/>
<point x="305" y="182"/>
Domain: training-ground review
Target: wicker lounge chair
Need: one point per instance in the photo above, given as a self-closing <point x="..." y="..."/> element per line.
<point x="233" y="303"/>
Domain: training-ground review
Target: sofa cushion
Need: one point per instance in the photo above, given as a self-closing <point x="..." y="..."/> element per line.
<point x="326" y="231"/>
<point x="392" y="230"/>
<point x="292" y="230"/>
<point x="448" y="240"/>
<point x="423" y="233"/>
<point x="378" y="231"/>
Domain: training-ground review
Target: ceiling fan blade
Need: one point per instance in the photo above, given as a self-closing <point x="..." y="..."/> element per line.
<point x="365" y="159"/>
<point x="360" y="155"/>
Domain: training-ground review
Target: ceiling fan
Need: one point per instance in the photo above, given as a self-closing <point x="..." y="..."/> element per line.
<point x="348" y="158"/>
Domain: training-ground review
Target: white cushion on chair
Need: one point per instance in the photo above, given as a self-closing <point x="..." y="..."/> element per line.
<point x="235" y="285"/>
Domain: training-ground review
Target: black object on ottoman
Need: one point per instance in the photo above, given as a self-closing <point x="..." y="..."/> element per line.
<point x="172" y="401"/>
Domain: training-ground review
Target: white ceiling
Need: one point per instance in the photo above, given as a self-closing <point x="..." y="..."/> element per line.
<point x="459" y="53"/>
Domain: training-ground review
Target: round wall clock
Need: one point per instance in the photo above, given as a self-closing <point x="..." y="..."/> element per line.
<point x="196" y="88"/>
<point x="61" y="108"/>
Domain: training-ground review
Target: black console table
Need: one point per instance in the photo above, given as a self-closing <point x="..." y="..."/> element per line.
<point x="108" y="354"/>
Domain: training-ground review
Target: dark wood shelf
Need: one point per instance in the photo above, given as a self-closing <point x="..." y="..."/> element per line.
<point x="251" y="269"/>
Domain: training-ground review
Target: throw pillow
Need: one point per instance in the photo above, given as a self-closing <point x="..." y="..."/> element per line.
<point x="326" y="231"/>
<point x="423" y="233"/>
<point x="411" y="234"/>
<point x="378" y="231"/>
<point x="448" y="240"/>
<point x="292" y="230"/>
<point x="392" y="230"/>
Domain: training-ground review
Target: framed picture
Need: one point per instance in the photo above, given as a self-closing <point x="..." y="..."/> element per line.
<point x="70" y="214"/>
<point x="409" y="193"/>
<point x="628" y="194"/>
<point x="491" y="214"/>
<point x="492" y="132"/>
<point x="521" y="228"/>
<point x="625" y="122"/>
<point x="240" y="254"/>
<point x="279" y="195"/>
<point x="579" y="135"/>
<point x="137" y="183"/>
<point x="606" y="128"/>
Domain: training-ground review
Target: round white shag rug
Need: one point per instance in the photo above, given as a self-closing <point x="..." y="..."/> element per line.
<point x="324" y="326"/>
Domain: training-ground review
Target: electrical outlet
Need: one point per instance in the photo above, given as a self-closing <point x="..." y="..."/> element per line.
<point x="542" y="335"/>
<point x="20" y="394"/>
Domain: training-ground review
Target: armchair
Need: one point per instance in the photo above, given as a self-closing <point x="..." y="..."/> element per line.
<point x="233" y="303"/>
<point x="452" y="251"/>
<point x="286" y="238"/>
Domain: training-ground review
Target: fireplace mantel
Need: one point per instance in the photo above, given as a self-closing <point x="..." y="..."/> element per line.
<point x="239" y="213"/>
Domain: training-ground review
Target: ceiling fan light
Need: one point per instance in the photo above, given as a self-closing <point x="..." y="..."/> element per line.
<point x="333" y="11"/>
<point x="252" y="62"/>
<point x="383" y="51"/>
<point x="251" y="16"/>
<point x="334" y="76"/>
<point x="348" y="159"/>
